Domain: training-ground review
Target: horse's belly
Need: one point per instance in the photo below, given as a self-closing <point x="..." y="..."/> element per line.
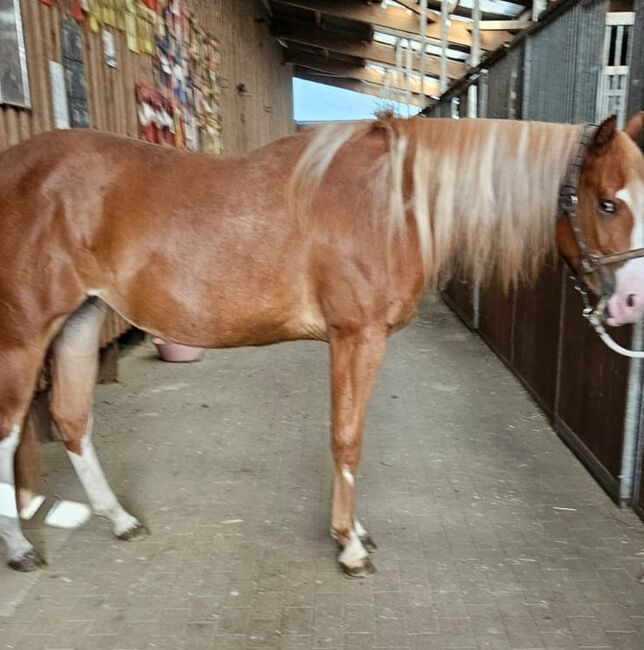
<point x="217" y="324"/>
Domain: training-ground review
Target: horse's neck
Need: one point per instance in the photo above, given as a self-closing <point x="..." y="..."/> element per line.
<point x="486" y="192"/>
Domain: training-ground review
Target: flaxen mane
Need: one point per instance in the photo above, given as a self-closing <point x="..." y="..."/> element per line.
<point x="483" y="192"/>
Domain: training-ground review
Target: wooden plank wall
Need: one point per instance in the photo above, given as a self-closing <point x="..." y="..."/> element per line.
<point x="252" y="57"/>
<point x="112" y="104"/>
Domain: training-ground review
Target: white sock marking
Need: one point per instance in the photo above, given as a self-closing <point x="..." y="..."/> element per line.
<point x="68" y="514"/>
<point x="354" y="552"/>
<point x="17" y="543"/>
<point x="348" y="476"/>
<point x="30" y="510"/>
<point x="8" y="448"/>
<point x="99" y="493"/>
<point x="359" y="528"/>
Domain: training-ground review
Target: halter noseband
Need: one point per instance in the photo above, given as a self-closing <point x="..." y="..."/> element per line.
<point x="591" y="261"/>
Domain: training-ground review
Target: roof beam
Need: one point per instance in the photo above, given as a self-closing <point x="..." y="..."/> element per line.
<point x="503" y="25"/>
<point x="435" y="5"/>
<point x="350" y="84"/>
<point x="360" y="73"/>
<point x="398" y="21"/>
<point x="376" y="52"/>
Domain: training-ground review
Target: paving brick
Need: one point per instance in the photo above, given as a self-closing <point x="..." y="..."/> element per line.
<point x="459" y="482"/>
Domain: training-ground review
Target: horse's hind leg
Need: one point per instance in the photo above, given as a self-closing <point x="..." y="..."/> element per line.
<point x="355" y="359"/>
<point x="74" y="369"/>
<point x="19" y="367"/>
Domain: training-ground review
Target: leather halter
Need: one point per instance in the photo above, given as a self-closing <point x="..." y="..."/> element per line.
<point x="591" y="261"/>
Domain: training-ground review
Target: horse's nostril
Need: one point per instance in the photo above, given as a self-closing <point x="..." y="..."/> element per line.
<point x="630" y="300"/>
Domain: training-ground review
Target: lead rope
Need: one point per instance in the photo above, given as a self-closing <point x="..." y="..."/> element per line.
<point x="594" y="316"/>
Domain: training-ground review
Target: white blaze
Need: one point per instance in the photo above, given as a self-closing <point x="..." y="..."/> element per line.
<point x="629" y="278"/>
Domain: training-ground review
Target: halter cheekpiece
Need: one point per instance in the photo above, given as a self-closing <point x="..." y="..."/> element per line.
<point x="591" y="261"/>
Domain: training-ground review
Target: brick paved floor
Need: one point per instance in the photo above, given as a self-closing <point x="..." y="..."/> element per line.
<point x="491" y="534"/>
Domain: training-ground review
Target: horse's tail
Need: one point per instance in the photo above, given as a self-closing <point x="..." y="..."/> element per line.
<point x="316" y="159"/>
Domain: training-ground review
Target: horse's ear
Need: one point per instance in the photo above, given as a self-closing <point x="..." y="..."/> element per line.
<point x="605" y="133"/>
<point x="635" y="128"/>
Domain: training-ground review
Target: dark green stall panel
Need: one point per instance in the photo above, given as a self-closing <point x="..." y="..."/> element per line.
<point x="593" y="385"/>
<point x="458" y="294"/>
<point x="535" y="342"/>
<point x="496" y="319"/>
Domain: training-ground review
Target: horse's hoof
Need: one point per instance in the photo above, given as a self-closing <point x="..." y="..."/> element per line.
<point x="135" y="532"/>
<point x="369" y="545"/>
<point x="363" y="570"/>
<point x="30" y="561"/>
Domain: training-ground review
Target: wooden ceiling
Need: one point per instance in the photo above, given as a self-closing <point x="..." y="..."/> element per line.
<point x="351" y="43"/>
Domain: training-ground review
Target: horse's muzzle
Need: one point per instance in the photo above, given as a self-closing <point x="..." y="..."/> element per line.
<point x="626" y="302"/>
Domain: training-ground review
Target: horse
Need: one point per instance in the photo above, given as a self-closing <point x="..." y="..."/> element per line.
<point x="331" y="234"/>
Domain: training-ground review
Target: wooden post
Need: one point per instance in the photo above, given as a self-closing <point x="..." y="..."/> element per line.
<point x="423" y="47"/>
<point x="444" y="31"/>
<point x="108" y="367"/>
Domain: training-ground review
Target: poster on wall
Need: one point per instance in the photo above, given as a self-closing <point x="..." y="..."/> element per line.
<point x="72" y="46"/>
<point x="14" y="82"/>
<point x="109" y="49"/>
<point x="59" y="95"/>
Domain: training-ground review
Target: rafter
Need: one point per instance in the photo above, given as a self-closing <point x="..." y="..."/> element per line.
<point x="376" y="52"/>
<point x="350" y="84"/>
<point x="503" y="25"/>
<point x="398" y="21"/>
<point x="360" y="73"/>
<point x="435" y="5"/>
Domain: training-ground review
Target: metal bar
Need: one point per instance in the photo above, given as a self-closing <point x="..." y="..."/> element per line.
<point x="549" y="15"/>
<point x="475" y="52"/>
<point x="444" y="30"/>
<point x="410" y="63"/>
<point x="423" y="46"/>
<point x="538" y="7"/>
<point x="399" y="66"/>
<point x="631" y="420"/>
<point x="618" y="45"/>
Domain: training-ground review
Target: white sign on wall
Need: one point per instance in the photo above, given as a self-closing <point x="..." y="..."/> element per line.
<point x="59" y="95"/>
<point x="109" y="48"/>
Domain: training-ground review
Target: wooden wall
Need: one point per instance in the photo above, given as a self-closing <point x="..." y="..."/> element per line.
<point x="111" y="99"/>
<point x="250" y="56"/>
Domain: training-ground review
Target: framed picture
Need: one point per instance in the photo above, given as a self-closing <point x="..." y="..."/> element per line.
<point x="14" y="83"/>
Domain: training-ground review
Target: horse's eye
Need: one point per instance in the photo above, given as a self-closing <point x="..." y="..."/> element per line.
<point x="606" y="206"/>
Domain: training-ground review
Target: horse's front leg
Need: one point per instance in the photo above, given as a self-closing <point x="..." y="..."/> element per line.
<point x="355" y="359"/>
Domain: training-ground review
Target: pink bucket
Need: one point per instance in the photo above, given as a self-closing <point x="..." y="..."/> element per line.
<point x="177" y="353"/>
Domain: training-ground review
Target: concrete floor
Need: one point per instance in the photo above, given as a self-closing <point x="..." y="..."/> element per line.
<point x="491" y="534"/>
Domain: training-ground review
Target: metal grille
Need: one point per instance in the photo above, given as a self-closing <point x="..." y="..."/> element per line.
<point x="563" y="65"/>
<point x="442" y="108"/>
<point x="504" y="85"/>
<point x="613" y="84"/>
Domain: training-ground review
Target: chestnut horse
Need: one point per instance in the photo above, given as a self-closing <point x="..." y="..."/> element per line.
<point x="331" y="234"/>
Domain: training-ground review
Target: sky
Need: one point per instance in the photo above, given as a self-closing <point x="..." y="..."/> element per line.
<point x="314" y="102"/>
